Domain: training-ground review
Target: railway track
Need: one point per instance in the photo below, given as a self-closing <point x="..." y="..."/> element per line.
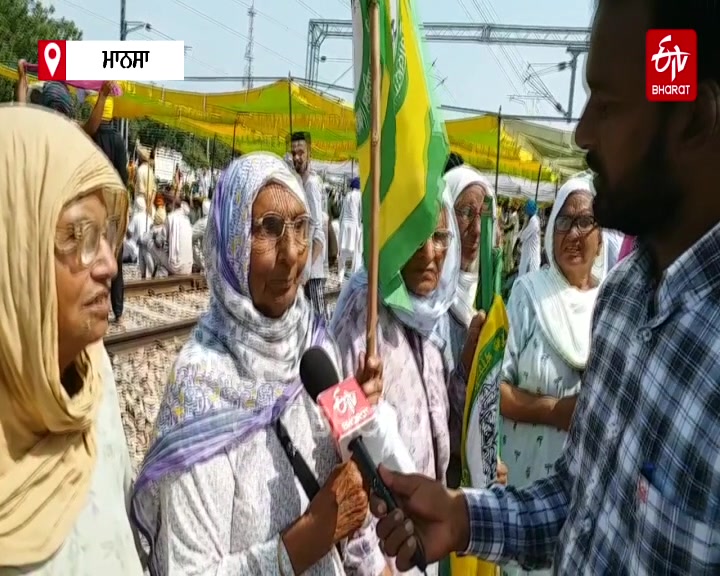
<point x="135" y="339"/>
<point x="165" y="285"/>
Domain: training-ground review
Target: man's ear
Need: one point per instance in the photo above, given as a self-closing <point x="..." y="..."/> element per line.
<point x="697" y="124"/>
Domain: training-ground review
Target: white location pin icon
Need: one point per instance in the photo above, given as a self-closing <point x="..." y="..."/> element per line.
<point x="52" y="57"/>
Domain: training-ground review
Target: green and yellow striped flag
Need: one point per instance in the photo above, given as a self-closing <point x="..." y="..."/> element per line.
<point x="414" y="146"/>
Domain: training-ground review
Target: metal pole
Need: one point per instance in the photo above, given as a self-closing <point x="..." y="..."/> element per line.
<point x="234" y="131"/>
<point x="123" y="20"/>
<point x="212" y="168"/>
<point x="573" y="77"/>
<point x="537" y="185"/>
<point x="290" y="110"/>
<point x="497" y="156"/>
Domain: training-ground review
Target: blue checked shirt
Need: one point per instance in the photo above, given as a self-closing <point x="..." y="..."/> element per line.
<point x="637" y="489"/>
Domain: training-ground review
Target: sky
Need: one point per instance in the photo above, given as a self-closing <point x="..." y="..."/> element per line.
<point x="476" y="76"/>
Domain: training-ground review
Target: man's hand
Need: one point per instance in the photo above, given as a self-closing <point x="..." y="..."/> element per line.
<point x="438" y="517"/>
<point x="107" y="88"/>
<point x="468" y="352"/>
<point x="369" y="376"/>
<point x="22" y="74"/>
<point x="502" y="473"/>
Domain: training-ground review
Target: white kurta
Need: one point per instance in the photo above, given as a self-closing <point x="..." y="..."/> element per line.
<point x="531" y="363"/>
<point x="350" y="241"/>
<point x="530" y="250"/>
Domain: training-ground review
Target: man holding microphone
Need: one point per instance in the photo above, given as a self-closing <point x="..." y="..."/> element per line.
<point x="637" y="489"/>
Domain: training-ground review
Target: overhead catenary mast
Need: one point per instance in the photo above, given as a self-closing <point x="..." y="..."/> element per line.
<point x="250" y="46"/>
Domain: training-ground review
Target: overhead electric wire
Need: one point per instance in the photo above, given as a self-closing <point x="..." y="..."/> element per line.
<point x="234" y="32"/>
<point x="141" y="34"/>
<point x="269" y="18"/>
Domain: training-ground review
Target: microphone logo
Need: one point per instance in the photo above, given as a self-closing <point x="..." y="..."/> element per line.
<point x="345" y="407"/>
<point x="344" y="401"/>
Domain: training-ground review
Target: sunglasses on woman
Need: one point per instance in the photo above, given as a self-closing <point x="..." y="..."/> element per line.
<point x="584" y="223"/>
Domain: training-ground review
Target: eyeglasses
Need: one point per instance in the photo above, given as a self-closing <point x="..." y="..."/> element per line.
<point x="467" y="214"/>
<point x="85" y="237"/>
<point x="584" y="223"/>
<point x="273" y="226"/>
<point x="440" y="240"/>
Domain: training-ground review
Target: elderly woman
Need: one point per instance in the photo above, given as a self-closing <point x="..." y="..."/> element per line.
<point x="231" y="484"/>
<point x="469" y="189"/>
<point x="414" y="369"/>
<point x="550" y="313"/>
<point x="64" y="465"/>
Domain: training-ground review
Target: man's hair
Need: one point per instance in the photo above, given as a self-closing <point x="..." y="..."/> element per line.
<point x="703" y="16"/>
<point x="301" y="137"/>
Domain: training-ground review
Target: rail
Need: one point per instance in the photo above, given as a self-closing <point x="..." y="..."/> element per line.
<point x="136" y="339"/>
<point x="165" y="285"/>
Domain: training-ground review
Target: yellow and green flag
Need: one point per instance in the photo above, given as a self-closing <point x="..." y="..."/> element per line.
<point x="414" y="145"/>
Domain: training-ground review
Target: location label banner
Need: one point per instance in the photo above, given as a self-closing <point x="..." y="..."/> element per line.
<point x="134" y="60"/>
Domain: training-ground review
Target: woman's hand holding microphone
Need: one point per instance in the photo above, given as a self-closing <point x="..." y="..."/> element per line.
<point x="336" y="512"/>
<point x="341" y="507"/>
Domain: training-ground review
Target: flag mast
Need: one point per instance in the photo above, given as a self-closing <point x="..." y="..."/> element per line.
<point x="375" y="115"/>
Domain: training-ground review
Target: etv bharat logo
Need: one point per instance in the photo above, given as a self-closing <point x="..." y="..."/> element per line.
<point x="345" y="401"/>
<point x="671" y="67"/>
<point x="677" y="59"/>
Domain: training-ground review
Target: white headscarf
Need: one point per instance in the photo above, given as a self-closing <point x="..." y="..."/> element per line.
<point x="457" y="180"/>
<point x="427" y="311"/>
<point x="564" y="313"/>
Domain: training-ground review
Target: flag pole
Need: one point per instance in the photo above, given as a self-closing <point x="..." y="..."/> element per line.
<point x="290" y="110"/>
<point x="375" y="112"/>
<point x="497" y="153"/>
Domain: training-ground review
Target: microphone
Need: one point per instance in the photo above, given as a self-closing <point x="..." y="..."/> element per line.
<point x="376" y="424"/>
<point x="352" y="422"/>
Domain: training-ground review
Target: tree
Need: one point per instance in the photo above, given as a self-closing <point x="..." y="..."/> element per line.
<point x="22" y="24"/>
<point x="193" y="148"/>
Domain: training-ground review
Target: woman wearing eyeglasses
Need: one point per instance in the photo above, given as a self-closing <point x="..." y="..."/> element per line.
<point x="243" y="476"/>
<point x="414" y="370"/>
<point x="468" y="189"/>
<point x="65" y="471"/>
<point x="550" y="313"/>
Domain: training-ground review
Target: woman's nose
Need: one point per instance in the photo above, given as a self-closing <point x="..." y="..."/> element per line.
<point x="288" y="247"/>
<point x="105" y="267"/>
<point x="474" y="227"/>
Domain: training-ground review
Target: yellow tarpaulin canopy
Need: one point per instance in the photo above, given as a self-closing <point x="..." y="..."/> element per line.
<point x="259" y="119"/>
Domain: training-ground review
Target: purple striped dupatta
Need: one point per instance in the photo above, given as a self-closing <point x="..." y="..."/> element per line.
<point x="197" y="440"/>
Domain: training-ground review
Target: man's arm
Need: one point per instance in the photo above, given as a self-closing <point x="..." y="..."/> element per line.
<point x="96" y="115"/>
<point x="316" y="213"/>
<point x="21" y="88"/>
<point x="507" y="523"/>
<point x="524" y="524"/>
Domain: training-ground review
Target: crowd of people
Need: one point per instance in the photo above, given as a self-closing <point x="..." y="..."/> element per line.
<point x="605" y="412"/>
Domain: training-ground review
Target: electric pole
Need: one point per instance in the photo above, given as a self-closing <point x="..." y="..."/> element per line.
<point x="123" y="20"/>
<point x="249" y="57"/>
